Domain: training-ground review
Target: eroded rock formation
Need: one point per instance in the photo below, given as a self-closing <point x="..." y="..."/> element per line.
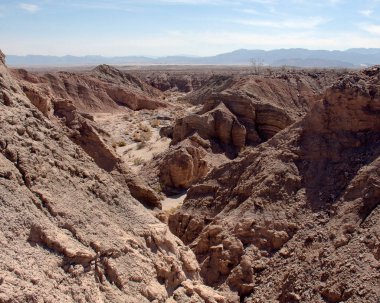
<point x="70" y="232"/>
<point x="248" y="110"/>
<point x="75" y="113"/>
<point x="239" y="111"/>
<point x="218" y="123"/>
<point x="295" y="219"/>
<point x="103" y="89"/>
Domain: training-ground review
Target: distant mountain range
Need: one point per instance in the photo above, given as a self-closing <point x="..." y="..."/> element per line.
<point x="351" y="58"/>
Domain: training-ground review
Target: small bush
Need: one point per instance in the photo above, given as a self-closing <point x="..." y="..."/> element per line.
<point x="121" y="143"/>
<point x="144" y="127"/>
<point x="138" y="161"/>
<point x="136" y="136"/>
<point x="141" y="145"/>
<point x="155" y="123"/>
<point x="142" y="136"/>
<point x="172" y="211"/>
<point x="158" y="188"/>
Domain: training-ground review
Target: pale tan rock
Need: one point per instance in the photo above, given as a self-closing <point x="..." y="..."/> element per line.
<point x="62" y="243"/>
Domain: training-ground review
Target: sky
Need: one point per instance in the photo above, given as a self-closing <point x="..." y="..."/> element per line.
<point x="184" y="27"/>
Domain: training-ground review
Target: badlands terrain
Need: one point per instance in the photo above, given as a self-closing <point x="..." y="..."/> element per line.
<point x="189" y="184"/>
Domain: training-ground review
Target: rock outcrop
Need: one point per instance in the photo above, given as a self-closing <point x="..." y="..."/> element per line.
<point x="104" y="89"/>
<point x="70" y="232"/>
<point x="183" y="166"/>
<point x="172" y="80"/>
<point x="79" y="126"/>
<point x="248" y="110"/>
<point x="214" y="85"/>
<point x="218" y="123"/>
<point x="237" y="111"/>
<point x="84" y="133"/>
<point x="295" y="219"/>
<point x="178" y="168"/>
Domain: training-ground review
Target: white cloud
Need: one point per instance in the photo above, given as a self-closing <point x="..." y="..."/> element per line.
<point x="190" y="2"/>
<point x="271" y="2"/>
<point x="371" y="28"/>
<point x="334" y="2"/>
<point x="307" y="23"/>
<point x="194" y="1"/>
<point x="320" y="3"/>
<point x="31" y="8"/>
<point x="103" y="6"/>
<point x="366" y="12"/>
<point x="195" y="43"/>
<point x="249" y="11"/>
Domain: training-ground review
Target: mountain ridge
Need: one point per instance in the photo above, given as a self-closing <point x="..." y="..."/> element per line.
<point x="298" y="57"/>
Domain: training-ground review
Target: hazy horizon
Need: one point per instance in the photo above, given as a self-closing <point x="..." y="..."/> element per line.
<point x="192" y="27"/>
<point x="189" y="55"/>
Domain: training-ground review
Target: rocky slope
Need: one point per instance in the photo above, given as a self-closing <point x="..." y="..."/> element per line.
<point x="60" y="97"/>
<point x="261" y="105"/>
<point x="70" y="230"/>
<point x="236" y="111"/>
<point x="296" y="218"/>
<point x="103" y="89"/>
<point x="181" y="82"/>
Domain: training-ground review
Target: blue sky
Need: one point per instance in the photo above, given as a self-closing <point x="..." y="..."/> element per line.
<point x="191" y="27"/>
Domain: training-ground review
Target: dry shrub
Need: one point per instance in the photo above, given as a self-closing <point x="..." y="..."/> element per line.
<point x="141" y="145"/>
<point x="142" y="136"/>
<point x="121" y="143"/>
<point x="138" y="161"/>
<point x="155" y="123"/>
<point x="173" y="210"/>
<point x="137" y="136"/>
<point x="144" y="127"/>
<point x="127" y="118"/>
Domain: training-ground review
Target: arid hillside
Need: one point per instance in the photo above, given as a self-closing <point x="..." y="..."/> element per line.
<point x="101" y="89"/>
<point x="296" y="218"/>
<point x="189" y="184"/>
<point x="70" y="230"/>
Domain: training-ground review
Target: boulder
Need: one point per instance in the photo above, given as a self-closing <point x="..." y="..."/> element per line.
<point x="183" y="166"/>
